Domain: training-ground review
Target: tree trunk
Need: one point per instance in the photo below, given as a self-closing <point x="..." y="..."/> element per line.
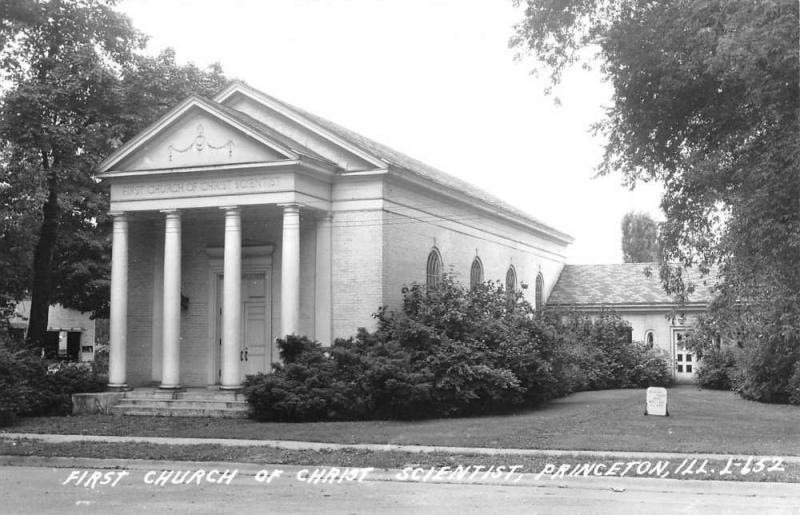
<point x="43" y="261"/>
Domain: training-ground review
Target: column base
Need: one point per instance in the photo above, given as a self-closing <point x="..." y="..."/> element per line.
<point x="230" y="388"/>
<point x="123" y="387"/>
<point x="172" y="387"/>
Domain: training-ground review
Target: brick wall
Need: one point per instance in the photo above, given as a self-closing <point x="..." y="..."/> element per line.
<point x="141" y="242"/>
<point x="357" y="248"/>
<point x="416" y="222"/>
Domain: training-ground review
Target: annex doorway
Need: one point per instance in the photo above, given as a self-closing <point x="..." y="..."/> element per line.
<point x="684" y="359"/>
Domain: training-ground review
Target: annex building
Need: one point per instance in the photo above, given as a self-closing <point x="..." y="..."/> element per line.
<point x="241" y="219"/>
<point x="639" y="298"/>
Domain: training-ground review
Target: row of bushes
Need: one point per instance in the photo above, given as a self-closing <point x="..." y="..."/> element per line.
<point x="32" y="386"/>
<point x="449" y="352"/>
<point x="731" y="367"/>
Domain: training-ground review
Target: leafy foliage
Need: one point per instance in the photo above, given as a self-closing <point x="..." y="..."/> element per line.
<point x="30" y="387"/>
<point x="640" y="239"/>
<point x="452" y="351"/>
<point x="717" y="369"/>
<point x="74" y="88"/>
<point x="707" y="102"/>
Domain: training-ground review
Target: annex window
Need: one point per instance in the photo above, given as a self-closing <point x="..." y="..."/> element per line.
<point x="539" y="292"/>
<point x="434" y="269"/>
<point x="475" y="273"/>
<point x="650" y="339"/>
<point x="511" y="279"/>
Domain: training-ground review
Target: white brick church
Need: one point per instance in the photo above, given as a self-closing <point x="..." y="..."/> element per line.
<point x="241" y="219"/>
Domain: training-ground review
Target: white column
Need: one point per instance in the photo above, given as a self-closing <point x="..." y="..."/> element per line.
<point x="232" y="300"/>
<point x="322" y="301"/>
<point x="118" y="333"/>
<point x="170" y="341"/>
<point x="290" y="271"/>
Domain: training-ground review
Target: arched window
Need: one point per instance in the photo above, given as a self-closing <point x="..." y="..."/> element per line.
<point x="434" y="270"/>
<point x="539" y="291"/>
<point x="650" y="339"/>
<point x="475" y="273"/>
<point x="511" y="279"/>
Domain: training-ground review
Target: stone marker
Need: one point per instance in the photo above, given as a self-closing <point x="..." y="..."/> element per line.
<point x="656" y="402"/>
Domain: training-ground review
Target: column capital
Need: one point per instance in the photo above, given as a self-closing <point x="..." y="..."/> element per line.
<point x="290" y="207"/>
<point x="118" y="215"/>
<point x="170" y="212"/>
<point x="230" y="209"/>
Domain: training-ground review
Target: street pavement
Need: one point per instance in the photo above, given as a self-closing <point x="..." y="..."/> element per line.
<point x="83" y="485"/>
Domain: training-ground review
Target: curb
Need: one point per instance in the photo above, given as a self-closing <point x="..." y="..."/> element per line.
<point x="318" y="446"/>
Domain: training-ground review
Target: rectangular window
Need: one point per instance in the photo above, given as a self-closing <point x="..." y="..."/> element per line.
<point x="688" y="357"/>
<point x="680" y="368"/>
<point x="689" y="368"/>
<point x="680" y="357"/>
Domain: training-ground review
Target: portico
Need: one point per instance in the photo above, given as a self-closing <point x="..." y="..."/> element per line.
<point x="272" y="188"/>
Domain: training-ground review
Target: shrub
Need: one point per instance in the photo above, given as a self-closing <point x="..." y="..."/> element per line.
<point x="29" y="388"/>
<point x="794" y="385"/>
<point x="595" y="353"/>
<point x="765" y="368"/>
<point x="452" y="351"/>
<point x="649" y="367"/>
<point x="717" y="369"/>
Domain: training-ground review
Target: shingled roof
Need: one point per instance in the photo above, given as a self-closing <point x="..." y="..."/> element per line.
<point x="622" y="284"/>
<point x="409" y="164"/>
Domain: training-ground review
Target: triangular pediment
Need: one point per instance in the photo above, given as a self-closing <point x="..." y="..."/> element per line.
<point x="196" y="134"/>
<point x="330" y="144"/>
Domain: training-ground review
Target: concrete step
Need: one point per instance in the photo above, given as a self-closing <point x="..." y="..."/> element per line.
<point x="220" y="395"/>
<point x="181" y="403"/>
<point x="179" y="411"/>
<point x="194" y="402"/>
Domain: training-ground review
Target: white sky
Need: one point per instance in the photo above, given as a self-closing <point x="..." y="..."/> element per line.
<point x="434" y="79"/>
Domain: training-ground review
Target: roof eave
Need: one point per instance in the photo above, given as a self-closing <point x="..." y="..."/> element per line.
<point x="629" y="306"/>
<point x="464" y="197"/>
<point x="247" y="90"/>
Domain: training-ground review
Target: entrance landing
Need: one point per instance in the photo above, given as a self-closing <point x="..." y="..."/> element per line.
<point x="191" y="402"/>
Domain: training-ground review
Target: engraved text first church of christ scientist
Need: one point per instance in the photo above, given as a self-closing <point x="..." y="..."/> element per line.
<point x="241" y="219"/>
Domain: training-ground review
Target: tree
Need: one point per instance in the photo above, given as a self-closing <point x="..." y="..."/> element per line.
<point x="76" y="87"/>
<point x="639" y="238"/>
<point x="706" y="101"/>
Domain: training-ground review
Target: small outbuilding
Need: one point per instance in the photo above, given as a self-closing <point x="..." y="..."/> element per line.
<point x="634" y="291"/>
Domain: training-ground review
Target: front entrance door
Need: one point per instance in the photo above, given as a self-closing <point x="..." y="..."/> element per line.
<point x="254" y="355"/>
<point x="685" y="362"/>
<point x="255" y="338"/>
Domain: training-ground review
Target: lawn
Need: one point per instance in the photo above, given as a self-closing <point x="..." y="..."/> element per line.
<point x="612" y="420"/>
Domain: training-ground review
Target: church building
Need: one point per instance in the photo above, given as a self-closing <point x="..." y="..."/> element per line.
<point x="241" y="219"/>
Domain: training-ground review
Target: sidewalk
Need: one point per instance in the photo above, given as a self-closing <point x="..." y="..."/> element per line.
<point x="317" y="446"/>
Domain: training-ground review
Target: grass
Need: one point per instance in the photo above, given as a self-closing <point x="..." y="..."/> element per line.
<point x="703" y="421"/>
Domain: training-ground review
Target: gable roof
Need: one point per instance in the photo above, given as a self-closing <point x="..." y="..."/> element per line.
<point x="393" y="157"/>
<point x="623" y="284"/>
<point x="241" y="121"/>
<point x="268" y="132"/>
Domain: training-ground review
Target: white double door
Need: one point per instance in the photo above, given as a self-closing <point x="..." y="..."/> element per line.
<point x="255" y="348"/>
<point x="684" y="359"/>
